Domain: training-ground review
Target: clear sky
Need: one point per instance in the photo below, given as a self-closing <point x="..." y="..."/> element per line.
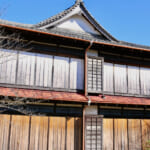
<point x="127" y="20"/>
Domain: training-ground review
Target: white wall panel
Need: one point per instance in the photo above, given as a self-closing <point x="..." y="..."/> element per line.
<point x="108" y="77"/>
<point x="26" y="68"/>
<point x="8" y="59"/>
<point x="76" y="74"/>
<point x="145" y="81"/>
<point x="44" y="70"/>
<point x="120" y="78"/>
<point x="78" y="23"/>
<point x="61" y="72"/>
<point x="133" y="80"/>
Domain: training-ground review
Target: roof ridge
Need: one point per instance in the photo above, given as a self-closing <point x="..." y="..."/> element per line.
<point x="59" y="15"/>
<point x="97" y="24"/>
<point x="79" y="1"/>
<point x="2" y="21"/>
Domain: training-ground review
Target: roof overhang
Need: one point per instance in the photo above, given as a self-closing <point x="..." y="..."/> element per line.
<point x="107" y="43"/>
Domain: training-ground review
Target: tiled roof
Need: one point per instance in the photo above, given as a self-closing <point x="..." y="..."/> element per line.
<point x="72" y="97"/>
<point x="58" y="16"/>
<point x="70" y="33"/>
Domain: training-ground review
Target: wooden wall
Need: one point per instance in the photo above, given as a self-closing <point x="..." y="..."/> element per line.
<point x="34" y="70"/>
<point x="125" y="134"/>
<point x="126" y="79"/>
<point x="40" y="133"/>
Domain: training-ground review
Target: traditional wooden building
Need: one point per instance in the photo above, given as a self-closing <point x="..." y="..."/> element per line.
<point x="68" y="84"/>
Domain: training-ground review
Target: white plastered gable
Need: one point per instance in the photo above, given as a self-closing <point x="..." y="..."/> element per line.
<point x="76" y="18"/>
<point x="78" y="23"/>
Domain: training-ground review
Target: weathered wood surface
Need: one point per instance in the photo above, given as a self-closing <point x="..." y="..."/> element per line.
<point x="40" y="133"/>
<point x="19" y="133"/>
<point x="41" y="70"/>
<point x="120" y="131"/>
<point x="5" y="121"/>
<point x="125" y="134"/>
<point x="145" y="131"/>
<point x="108" y="134"/>
<point x="134" y="132"/>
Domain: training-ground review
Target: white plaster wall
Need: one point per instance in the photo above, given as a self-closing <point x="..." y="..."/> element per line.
<point x="92" y="53"/>
<point x="78" y="23"/>
<point x="91" y="110"/>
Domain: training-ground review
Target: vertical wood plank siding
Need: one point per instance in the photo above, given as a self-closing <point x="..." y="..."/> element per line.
<point x="123" y="79"/>
<point x="26" y="67"/>
<point x="19" y="133"/>
<point x="120" y="132"/>
<point x="38" y="133"/>
<point x="108" y="77"/>
<point x="133" y="80"/>
<point x="8" y="66"/>
<point x="43" y="70"/>
<point x="145" y="81"/>
<point x="125" y="134"/>
<point x="76" y="74"/>
<point x="65" y="133"/>
<point x="4" y="131"/>
<point x="41" y="133"/>
<point x="40" y="70"/>
<point x="108" y="137"/>
<point x="120" y="78"/>
<point x="61" y="72"/>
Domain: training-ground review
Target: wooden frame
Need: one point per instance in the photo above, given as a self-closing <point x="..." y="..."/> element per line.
<point x="93" y="123"/>
<point x="102" y="74"/>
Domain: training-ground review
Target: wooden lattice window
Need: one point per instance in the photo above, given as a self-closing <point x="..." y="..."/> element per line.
<point x="95" y="75"/>
<point x="93" y="132"/>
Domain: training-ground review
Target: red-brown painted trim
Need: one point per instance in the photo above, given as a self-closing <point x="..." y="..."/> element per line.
<point x="72" y="97"/>
<point x="101" y="43"/>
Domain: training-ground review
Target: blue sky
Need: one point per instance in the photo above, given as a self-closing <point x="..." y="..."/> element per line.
<point x="127" y="20"/>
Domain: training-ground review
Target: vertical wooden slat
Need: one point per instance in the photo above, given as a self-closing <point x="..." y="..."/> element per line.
<point x="108" y="134"/>
<point x="120" y="78"/>
<point x="38" y="134"/>
<point x="8" y="66"/>
<point x="133" y="80"/>
<point x="43" y="70"/>
<point x="26" y="67"/>
<point x="76" y="73"/>
<point x="61" y="134"/>
<point x="108" y="77"/>
<point x="61" y="72"/>
<point x="120" y="127"/>
<point x="70" y="133"/>
<point x="4" y="131"/>
<point x="77" y="134"/>
<point x="134" y="131"/>
<point x="145" y="79"/>
<point x="56" y="133"/>
<point x="145" y="131"/>
<point x="19" y="133"/>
